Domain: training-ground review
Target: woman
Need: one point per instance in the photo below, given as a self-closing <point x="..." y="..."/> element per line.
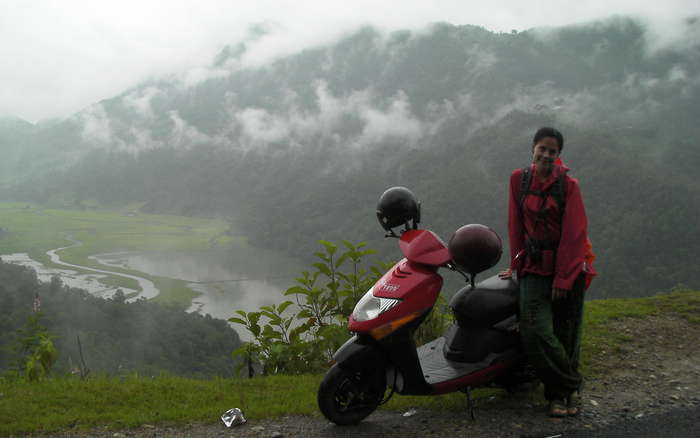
<point x="550" y="252"/>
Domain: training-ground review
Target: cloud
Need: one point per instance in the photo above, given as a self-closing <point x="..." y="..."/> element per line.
<point x="261" y="126"/>
<point x="396" y="122"/>
<point x="356" y="120"/>
<point x="96" y="126"/>
<point x="66" y="56"/>
<point x="100" y="130"/>
<point x="667" y="31"/>
<point x="140" y="101"/>
<point x="184" y="135"/>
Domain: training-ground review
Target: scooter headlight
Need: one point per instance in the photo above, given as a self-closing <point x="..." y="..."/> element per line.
<point x="370" y="307"/>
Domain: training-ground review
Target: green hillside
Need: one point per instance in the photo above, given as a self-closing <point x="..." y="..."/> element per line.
<point x="300" y="148"/>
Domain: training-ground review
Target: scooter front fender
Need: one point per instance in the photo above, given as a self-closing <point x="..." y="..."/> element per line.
<point x="359" y="352"/>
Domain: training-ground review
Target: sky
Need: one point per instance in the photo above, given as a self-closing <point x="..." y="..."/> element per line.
<point x="60" y="56"/>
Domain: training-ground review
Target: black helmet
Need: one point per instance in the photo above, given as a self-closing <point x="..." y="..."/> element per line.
<point x="475" y="248"/>
<point x="397" y="206"/>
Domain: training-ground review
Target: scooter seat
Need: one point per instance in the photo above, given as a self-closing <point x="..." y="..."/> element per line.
<point x="490" y="302"/>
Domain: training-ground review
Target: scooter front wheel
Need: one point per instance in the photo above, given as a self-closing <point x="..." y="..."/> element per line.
<point x="347" y="396"/>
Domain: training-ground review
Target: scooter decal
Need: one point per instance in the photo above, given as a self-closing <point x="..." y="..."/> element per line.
<point x="389" y="287"/>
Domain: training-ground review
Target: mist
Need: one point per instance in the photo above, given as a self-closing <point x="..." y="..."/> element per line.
<point x="68" y="56"/>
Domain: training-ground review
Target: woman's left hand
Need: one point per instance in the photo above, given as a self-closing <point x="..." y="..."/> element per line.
<point x="558" y="294"/>
<point x="504" y="275"/>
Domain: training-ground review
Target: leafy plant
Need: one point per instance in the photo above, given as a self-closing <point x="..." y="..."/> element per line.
<point x="297" y="339"/>
<point x="34" y="352"/>
<point x="436" y="323"/>
<point x="41" y="360"/>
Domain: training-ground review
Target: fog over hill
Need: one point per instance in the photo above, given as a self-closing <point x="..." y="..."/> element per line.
<point x="299" y="149"/>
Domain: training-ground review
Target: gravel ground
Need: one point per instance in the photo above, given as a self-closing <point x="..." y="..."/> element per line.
<point x="655" y="374"/>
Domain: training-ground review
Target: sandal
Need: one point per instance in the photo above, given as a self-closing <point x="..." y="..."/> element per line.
<point x="573" y="404"/>
<point x="557" y="408"/>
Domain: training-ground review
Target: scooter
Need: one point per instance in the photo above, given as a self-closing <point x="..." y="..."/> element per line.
<point x="481" y="348"/>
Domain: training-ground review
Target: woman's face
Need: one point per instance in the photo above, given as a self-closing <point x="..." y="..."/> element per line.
<point x="544" y="153"/>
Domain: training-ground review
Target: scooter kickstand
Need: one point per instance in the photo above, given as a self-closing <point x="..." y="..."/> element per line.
<point x="470" y="405"/>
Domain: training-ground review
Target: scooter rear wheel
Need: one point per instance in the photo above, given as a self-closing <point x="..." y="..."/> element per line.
<point x="348" y="396"/>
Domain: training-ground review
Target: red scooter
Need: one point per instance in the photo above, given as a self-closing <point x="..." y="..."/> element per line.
<point x="481" y="348"/>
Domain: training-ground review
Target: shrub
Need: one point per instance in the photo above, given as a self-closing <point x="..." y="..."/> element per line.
<point x="297" y="339"/>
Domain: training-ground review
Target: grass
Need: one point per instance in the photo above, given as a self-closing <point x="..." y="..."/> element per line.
<point x="66" y="402"/>
<point x="62" y="403"/>
<point x="58" y="403"/>
<point x="597" y="337"/>
<point x="33" y="230"/>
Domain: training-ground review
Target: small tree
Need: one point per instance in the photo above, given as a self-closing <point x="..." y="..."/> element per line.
<point x="33" y="353"/>
<point x="297" y="339"/>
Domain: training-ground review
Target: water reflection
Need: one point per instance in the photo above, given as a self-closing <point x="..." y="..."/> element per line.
<point x="74" y="279"/>
<point x="227" y="282"/>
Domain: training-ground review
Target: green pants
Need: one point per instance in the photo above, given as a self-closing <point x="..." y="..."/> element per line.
<point x="551" y="333"/>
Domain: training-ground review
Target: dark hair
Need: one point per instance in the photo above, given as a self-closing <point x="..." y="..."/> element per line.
<point x="549" y="132"/>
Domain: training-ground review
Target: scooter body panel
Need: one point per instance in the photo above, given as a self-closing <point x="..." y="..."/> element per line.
<point x="356" y="350"/>
<point x="417" y="286"/>
<point x="397" y="352"/>
<point x="424" y="247"/>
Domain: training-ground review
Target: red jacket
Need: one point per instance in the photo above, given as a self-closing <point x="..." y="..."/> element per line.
<point x="570" y="230"/>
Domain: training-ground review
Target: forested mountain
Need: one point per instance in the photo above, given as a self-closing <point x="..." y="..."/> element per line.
<point x="300" y="148"/>
<point x="116" y="338"/>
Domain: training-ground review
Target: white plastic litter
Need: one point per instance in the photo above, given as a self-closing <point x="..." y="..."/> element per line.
<point x="233" y="417"/>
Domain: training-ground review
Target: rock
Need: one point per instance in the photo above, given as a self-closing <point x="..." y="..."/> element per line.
<point x="652" y="377"/>
<point x="257" y="428"/>
<point x="148" y="426"/>
<point x="277" y="434"/>
<point x="638" y="416"/>
<point x="118" y="435"/>
<point x="594" y="403"/>
<point x="675" y="397"/>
